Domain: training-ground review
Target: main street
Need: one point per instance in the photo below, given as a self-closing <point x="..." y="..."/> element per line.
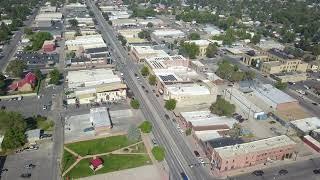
<point x="178" y="155"/>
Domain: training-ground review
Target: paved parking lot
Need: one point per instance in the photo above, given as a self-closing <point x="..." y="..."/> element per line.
<point x="78" y="127"/>
<point x="42" y="158"/>
<point x="139" y="173"/>
<point x="30" y="106"/>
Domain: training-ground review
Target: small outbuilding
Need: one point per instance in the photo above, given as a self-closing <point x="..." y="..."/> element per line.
<point x="96" y="163"/>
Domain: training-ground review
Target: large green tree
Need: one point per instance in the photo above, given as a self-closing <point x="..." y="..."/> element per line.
<point x="211" y="50"/>
<point x="222" y="107"/>
<point x="13" y="126"/>
<point x="55" y="76"/>
<point x="170" y="104"/>
<point x="194" y="36"/>
<point x="189" y="49"/>
<point x="152" y="80"/>
<point x="145" y="71"/>
<point x="135" y="104"/>
<point x="16" y="68"/>
<point x="73" y="23"/>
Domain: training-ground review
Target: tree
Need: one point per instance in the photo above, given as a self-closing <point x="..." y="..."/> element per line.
<point x="170" y="104"/>
<point x="145" y="71"/>
<point x="14" y="126"/>
<point x="106" y="16"/>
<point x="229" y="72"/>
<point x="190" y="49"/>
<point x="73" y="22"/>
<point x="256" y="39"/>
<point x="28" y="31"/>
<point x="55" y="76"/>
<point x="145" y="127"/>
<point x="133" y="133"/>
<point x="280" y="85"/>
<point x="316" y="50"/>
<point x="222" y="107"/>
<point x="135" y="104"/>
<point x="37" y="40"/>
<point x="122" y="40"/>
<point x="211" y="50"/>
<point x="152" y="80"/>
<point x="149" y="25"/>
<point x="249" y="75"/>
<point x="16" y="68"/>
<point x="235" y="131"/>
<point x="188" y="132"/>
<point x="2" y="82"/>
<point x="38" y="74"/>
<point x="110" y="23"/>
<point x="194" y="36"/>
<point x="144" y="34"/>
<point x="158" y="153"/>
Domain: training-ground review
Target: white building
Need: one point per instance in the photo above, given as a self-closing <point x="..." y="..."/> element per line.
<point x="33" y="135"/>
<point x="306" y="125"/>
<point x="206" y="118"/>
<point x="100" y="120"/>
<point x="87" y="78"/>
<point x="88" y="40"/>
<point x="168" y="33"/>
<point x="56" y="16"/>
<point x="97" y="85"/>
<point x="189" y="94"/>
<point x="141" y="53"/>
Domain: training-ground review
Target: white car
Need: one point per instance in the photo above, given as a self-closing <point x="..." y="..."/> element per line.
<point x="44" y="107"/>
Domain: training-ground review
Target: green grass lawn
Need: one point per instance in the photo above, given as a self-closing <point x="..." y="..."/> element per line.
<point x="139" y="148"/>
<point x="112" y="162"/>
<point x="67" y="160"/>
<point x="101" y="145"/>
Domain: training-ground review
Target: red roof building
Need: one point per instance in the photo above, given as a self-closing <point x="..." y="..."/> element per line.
<point x="96" y="163"/>
<point x="25" y="84"/>
<point x="48" y="46"/>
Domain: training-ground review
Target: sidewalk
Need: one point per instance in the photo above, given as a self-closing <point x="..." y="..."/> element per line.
<point x="160" y="167"/>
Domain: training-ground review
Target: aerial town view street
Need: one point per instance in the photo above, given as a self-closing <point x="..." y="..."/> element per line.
<point x="159" y="90"/>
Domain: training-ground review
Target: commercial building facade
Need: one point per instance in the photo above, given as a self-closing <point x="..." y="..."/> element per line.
<point x="253" y="153"/>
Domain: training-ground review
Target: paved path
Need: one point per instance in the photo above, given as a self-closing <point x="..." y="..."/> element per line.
<point x="117" y="151"/>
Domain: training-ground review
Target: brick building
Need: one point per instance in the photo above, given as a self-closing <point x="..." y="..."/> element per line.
<point x="253" y="153"/>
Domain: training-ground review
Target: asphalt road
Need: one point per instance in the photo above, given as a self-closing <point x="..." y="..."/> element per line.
<point x="297" y="171"/>
<point x="304" y="103"/>
<point x="178" y="155"/>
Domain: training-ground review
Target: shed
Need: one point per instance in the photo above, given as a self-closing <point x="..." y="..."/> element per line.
<point x="33" y="135"/>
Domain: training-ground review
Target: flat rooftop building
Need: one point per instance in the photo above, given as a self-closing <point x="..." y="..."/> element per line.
<point x="206" y="118"/>
<point x="168" y="33"/>
<point x="252" y="153"/>
<point x="274" y="97"/>
<point x="307" y="124"/>
<point x="141" y="53"/>
<point x="189" y="94"/>
<point x="87" y="78"/>
<point x="99" y="118"/>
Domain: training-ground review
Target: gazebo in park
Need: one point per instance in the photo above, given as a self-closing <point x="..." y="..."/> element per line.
<point x="96" y="163"/>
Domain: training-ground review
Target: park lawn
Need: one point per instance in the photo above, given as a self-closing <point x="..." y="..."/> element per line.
<point x="139" y="148"/>
<point x="67" y="160"/>
<point x="101" y="145"/>
<point x="112" y="162"/>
